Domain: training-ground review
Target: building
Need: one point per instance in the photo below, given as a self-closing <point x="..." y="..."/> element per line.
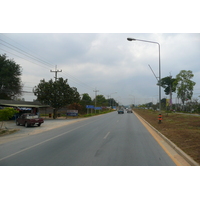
<point x="23" y="106"/>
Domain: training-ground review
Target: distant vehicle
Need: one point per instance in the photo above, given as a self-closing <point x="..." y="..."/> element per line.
<point x="120" y="111"/>
<point x="129" y="111"/>
<point x="28" y="119"/>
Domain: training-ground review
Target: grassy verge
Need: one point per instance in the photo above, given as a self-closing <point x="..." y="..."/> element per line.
<point x="7" y="131"/>
<point x="181" y="129"/>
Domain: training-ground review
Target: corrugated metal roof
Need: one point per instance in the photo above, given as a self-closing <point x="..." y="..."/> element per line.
<point x="25" y="105"/>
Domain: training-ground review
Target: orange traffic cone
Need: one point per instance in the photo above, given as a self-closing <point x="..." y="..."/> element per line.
<point x="159" y="118"/>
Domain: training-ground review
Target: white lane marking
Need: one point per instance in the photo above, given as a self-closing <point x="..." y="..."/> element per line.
<point x="106" y="135"/>
<point x="44" y="141"/>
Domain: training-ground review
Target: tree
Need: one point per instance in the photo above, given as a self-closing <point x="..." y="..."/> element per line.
<point x="101" y="101"/>
<point x="169" y="84"/>
<point x="75" y="106"/>
<point x="56" y="94"/>
<point x="86" y="100"/>
<point x="10" y="83"/>
<point x="184" y="85"/>
<point x="6" y="114"/>
<point x="112" y="102"/>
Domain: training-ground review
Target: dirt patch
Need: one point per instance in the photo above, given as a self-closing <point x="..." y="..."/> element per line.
<point x="183" y="130"/>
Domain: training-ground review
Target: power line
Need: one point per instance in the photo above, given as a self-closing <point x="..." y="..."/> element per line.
<point x="24" y="58"/>
<point x="25" y="51"/>
<point x="28" y="55"/>
<point x="77" y="81"/>
<point x="42" y="66"/>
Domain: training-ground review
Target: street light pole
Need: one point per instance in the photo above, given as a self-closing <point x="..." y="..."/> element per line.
<point x="133" y="39"/>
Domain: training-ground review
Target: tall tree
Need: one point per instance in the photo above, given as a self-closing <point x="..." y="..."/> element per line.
<point x="112" y="102"/>
<point x="56" y="94"/>
<point x="185" y="85"/>
<point x="169" y="84"/>
<point x="86" y="100"/>
<point x="101" y="101"/>
<point x="10" y="82"/>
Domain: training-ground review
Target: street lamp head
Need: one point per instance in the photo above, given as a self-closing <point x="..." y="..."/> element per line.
<point x="131" y="39"/>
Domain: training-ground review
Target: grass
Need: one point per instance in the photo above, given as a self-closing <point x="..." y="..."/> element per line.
<point x="7" y="131"/>
<point x="181" y="129"/>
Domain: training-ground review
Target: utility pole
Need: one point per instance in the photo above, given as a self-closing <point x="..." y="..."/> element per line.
<point x="56" y="71"/>
<point x="95" y="97"/>
<point x="170" y="93"/>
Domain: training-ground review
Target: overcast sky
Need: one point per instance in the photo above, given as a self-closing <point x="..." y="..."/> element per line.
<point x="108" y="62"/>
<point x="87" y="40"/>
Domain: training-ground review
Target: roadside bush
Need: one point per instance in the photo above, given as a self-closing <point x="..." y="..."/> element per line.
<point x="6" y="114"/>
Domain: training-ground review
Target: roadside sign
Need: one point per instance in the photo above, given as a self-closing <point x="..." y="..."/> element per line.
<point x="72" y="112"/>
<point x="89" y="106"/>
<point x="97" y="108"/>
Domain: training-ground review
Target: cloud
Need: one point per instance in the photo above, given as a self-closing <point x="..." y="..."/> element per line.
<point x="106" y="61"/>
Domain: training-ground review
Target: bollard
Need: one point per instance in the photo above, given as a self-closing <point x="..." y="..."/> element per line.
<point x="159" y="118"/>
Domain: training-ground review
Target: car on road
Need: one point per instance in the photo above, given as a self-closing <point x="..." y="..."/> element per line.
<point x="120" y="111"/>
<point x="129" y="111"/>
<point x="29" y="119"/>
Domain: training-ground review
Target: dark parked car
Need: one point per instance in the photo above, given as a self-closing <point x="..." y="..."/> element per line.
<point x="28" y="119"/>
<point x="120" y="111"/>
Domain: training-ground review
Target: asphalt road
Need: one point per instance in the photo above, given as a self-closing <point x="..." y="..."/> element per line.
<point x="106" y="140"/>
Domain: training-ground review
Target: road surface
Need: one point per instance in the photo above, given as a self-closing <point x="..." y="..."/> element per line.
<point x="106" y="140"/>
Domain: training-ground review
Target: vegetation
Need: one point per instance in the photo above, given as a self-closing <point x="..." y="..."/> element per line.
<point x="6" y="114"/>
<point x="86" y="100"/>
<point x="169" y="84"/>
<point x="57" y="94"/>
<point x="10" y="84"/>
<point x="181" y="129"/>
<point x="185" y="85"/>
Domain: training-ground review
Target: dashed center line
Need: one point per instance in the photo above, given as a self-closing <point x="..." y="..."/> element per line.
<point x="106" y="135"/>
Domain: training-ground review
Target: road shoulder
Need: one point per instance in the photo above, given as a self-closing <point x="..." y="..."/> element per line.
<point x="24" y="132"/>
<point x="176" y="154"/>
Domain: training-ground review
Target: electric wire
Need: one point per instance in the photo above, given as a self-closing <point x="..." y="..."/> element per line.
<point x="26" y="49"/>
<point x="38" y="60"/>
<point x="24" y="53"/>
<point x="24" y="58"/>
<point x="76" y="80"/>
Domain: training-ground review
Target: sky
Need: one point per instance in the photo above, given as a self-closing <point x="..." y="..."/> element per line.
<point x="106" y="62"/>
<point x="88" y="42"/>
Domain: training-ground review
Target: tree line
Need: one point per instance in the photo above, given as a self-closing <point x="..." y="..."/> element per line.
<point x="183" y="86"/>
<point x="57" y="94"/>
